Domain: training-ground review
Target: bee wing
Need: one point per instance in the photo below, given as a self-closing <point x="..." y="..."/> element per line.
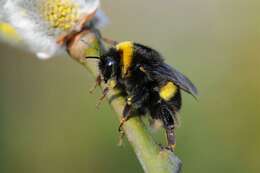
<point x="166" y="72"/>
<point x="181" y="80"/>
<point x="39" y="23"/>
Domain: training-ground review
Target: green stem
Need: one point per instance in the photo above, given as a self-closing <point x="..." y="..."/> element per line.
<point x="152" y="158"/>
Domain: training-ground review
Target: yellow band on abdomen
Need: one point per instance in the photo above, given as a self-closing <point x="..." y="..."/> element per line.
<point x="168" y="91"/>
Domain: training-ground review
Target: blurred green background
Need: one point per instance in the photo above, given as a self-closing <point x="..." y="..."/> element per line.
<point x="49" y="123"/>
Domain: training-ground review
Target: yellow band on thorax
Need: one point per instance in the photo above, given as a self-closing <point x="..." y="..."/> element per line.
<point x="127" y="50"/>
<point x="168" y="91"/>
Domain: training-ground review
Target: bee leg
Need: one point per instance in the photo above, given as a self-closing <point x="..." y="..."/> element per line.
<point x="171" y="138"/>
<point x="111" y="84"/>
<point x="125" y="117"/>
<point x="135" y="102"/>
<point x="105" y="92"/>
<point x="121" y="138"/>
<point x="97" y="83"/>
<point x="168" y="121"/>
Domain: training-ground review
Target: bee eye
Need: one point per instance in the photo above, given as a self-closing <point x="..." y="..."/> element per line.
<point x="110" y="63"/>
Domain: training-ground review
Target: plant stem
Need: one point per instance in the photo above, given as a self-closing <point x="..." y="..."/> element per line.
<point x="152" y="158"/>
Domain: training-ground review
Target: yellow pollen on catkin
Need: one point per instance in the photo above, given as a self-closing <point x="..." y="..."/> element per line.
<point x="127" y="49"/>
<point x="61" y="14"/>
<point x="168" y="91"/>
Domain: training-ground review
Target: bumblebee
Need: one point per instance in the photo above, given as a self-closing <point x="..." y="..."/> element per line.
<point x="150" y="85"/>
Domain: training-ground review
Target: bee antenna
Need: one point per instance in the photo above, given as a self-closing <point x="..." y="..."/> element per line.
<point x="92" y="57"/>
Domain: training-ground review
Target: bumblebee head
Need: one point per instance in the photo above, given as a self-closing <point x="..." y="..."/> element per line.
<point x="109" y="64"/>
